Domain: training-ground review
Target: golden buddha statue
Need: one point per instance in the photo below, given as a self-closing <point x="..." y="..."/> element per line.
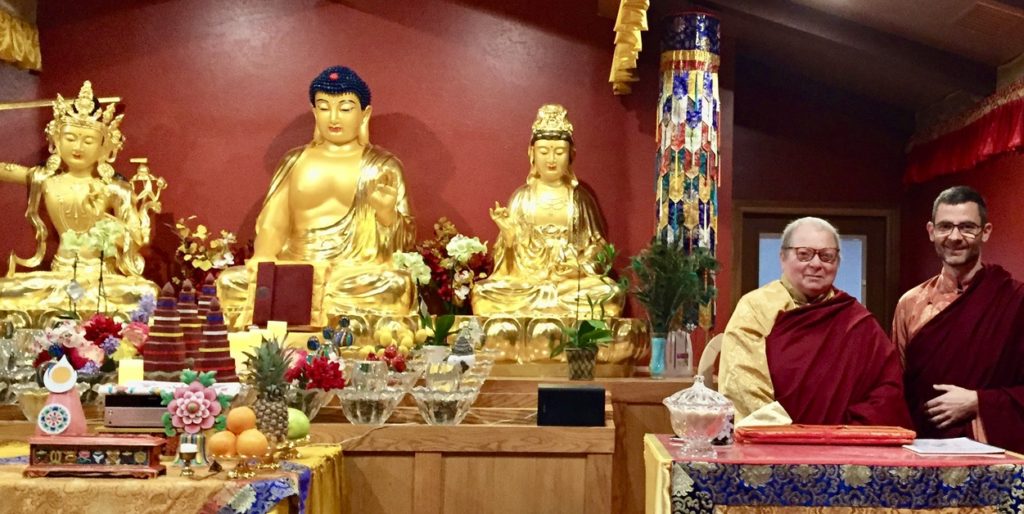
<point x="550" y="234"/>
<point x="79" y="190"/>
<point x="338" y="203"/>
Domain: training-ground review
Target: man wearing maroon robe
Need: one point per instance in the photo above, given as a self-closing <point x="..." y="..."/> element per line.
<point x="797" y="350"/>
<point x="962" y="334"/>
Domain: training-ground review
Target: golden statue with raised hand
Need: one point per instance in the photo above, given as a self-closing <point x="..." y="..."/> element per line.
<point x="82" y="194"/>
<point x="550" y="236"/>
<point x="339" y="203"/>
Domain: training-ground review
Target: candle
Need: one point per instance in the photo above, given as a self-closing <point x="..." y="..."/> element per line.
<point x="240" y="343"/>
<point x="129" y="370"/>
<point x="278" y="329"/>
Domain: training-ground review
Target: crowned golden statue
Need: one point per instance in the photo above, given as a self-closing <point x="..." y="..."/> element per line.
<point x="338" y="203"/>
<point x="550" y="235"/>
<point x="103" y="220"/>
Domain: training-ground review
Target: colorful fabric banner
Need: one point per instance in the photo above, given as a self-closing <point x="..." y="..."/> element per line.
<point x="687" y="162"/>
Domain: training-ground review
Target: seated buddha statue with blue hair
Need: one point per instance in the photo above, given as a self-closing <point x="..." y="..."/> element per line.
<point x="340" y="203"/>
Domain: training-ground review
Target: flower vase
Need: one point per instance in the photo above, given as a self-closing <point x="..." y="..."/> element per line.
<point x="200" y="441"/>
<point x="657" y="365"/>
<point x="678" y="349"/>
<point x="436" y="354"/>
<point x="581" y="363"/>
<point x="309" y="401"/>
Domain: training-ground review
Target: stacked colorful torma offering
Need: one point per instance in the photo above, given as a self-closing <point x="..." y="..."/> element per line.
<point x="214" y="353"/>
<point x="206" y="293"/>
<point x="165" y="348"/>
<point x="191" y="323"/>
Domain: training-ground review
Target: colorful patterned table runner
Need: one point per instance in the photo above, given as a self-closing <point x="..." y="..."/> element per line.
<point x="795" y="478"/>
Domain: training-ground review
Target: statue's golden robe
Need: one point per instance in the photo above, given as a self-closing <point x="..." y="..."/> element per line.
<point x="352" y="257"/>
<point x="545" y="269"/>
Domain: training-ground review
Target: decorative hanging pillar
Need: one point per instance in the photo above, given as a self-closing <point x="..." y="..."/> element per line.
<point x="687" y="163"/>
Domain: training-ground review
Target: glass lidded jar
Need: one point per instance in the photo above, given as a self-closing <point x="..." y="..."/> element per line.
<point x="698" y="415"/>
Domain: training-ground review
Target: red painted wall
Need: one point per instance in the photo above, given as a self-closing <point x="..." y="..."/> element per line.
<point x="801" y="142"/>
<point x="21" y="141"/>
<point x="1000" y="181"/>
<point x="216" y="92"/>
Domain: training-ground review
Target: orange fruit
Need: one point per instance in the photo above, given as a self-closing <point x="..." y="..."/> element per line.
<point x="221" y="444"/>
<point x="241" y="419"/>
<point x="252" y="443"/>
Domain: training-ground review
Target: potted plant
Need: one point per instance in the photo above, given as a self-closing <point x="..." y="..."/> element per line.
<point x="671" y="285"/>
<point x="580" y="344"/>
<point x="583" y="339"/>
<point x="436" y="332"/>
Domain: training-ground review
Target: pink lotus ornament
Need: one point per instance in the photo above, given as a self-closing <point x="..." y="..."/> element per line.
<point x="196" y="407"/>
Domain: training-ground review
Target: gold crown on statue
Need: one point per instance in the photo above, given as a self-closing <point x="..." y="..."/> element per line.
<point x="552" y="123"/>
<point x="84" y="112"/>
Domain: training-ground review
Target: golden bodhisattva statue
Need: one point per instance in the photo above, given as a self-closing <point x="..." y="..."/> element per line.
<point x="551" y="232"/>
<point x="80" y="192"/>
<point x="338" y="203"/>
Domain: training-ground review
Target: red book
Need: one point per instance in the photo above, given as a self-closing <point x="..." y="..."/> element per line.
<point x="284" y="292"/>
<point x="826" y="434"/>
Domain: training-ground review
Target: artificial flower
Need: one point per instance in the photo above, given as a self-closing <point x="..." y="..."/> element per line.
<point x="316" y="373"/>
<point x="124" y="351"/>
<point x="413" y="263"/>
<point x="194" y="408"/>
<point x="462" y="248"/>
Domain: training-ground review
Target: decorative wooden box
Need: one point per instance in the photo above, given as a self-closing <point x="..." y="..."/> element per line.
<point x="135" y="456"/>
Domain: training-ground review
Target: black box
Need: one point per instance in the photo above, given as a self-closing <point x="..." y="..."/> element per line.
<point x="564" y="405"/>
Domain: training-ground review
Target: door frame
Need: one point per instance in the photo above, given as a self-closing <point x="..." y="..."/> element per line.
<point x="741" y="209"/>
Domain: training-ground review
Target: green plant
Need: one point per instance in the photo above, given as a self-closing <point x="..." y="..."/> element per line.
<point x="588" y="336"/>
<point x="440" y="326"/>
<point x="671" y="284"/>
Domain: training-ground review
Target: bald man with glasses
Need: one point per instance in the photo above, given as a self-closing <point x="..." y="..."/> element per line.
<point x="798" y="350"/>
<point x="961" y="333"/>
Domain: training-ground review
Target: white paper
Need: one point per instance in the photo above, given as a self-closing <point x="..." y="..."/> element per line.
<point x="957" y="446"/>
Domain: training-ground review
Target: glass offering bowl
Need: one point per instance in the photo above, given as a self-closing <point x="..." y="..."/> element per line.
<point x="444" y="407"/>
<point x="369" y="407"/>
<point x="698" y="415"/>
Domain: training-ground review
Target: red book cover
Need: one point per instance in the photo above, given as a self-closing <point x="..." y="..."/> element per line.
<point x="284" y="292"/>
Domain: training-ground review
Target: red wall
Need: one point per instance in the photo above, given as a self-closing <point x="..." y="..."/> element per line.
<point x="801" y="142"/>
<point x="1000" y="181"/>
<point x="216" y="92"/>
<point x="21" y="141"/>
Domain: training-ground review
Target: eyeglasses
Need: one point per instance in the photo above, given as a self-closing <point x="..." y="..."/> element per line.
<point x="968" y="229"/>
<point x="806" y="253"/>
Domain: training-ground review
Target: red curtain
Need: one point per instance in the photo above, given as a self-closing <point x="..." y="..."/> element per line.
<point x="994" y="128"/>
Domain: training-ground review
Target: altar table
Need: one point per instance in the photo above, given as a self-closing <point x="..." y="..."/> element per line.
<point x="311" y="484"/>
<point x="747" y="478"/>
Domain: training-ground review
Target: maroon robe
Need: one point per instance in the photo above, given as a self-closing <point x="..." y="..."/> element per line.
<point x="832" y="364"/>
<point x="977" y="343"/>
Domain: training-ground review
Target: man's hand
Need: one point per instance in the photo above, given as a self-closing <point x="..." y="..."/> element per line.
<point x="956" y="404"/>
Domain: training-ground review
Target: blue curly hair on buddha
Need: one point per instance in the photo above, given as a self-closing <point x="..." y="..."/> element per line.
<point x="338" y="80"/>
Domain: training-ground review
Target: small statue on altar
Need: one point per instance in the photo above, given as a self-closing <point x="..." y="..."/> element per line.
<point x="545" y="259"/>
<point x="339" y="203"/>
<point x="81" y="193"/>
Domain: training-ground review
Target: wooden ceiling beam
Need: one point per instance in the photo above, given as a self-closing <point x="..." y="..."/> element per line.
<point x="890" y="52"/>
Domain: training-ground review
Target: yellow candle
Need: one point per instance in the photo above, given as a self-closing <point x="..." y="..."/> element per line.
<point x="278" y="329"/>
<point x="240" y="343"/>
<point x="129" y="370"/>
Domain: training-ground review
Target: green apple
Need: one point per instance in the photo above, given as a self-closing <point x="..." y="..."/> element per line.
<point x="298" y="424"/>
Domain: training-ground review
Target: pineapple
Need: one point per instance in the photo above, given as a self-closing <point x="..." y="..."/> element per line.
<point x="267" y="368"/>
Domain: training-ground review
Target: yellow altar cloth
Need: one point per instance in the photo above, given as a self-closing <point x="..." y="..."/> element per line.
<point x="168" y="493"/>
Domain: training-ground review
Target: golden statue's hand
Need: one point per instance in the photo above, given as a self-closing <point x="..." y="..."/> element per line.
<point x="383" y="198"/>
<point x="502" y="218"/>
